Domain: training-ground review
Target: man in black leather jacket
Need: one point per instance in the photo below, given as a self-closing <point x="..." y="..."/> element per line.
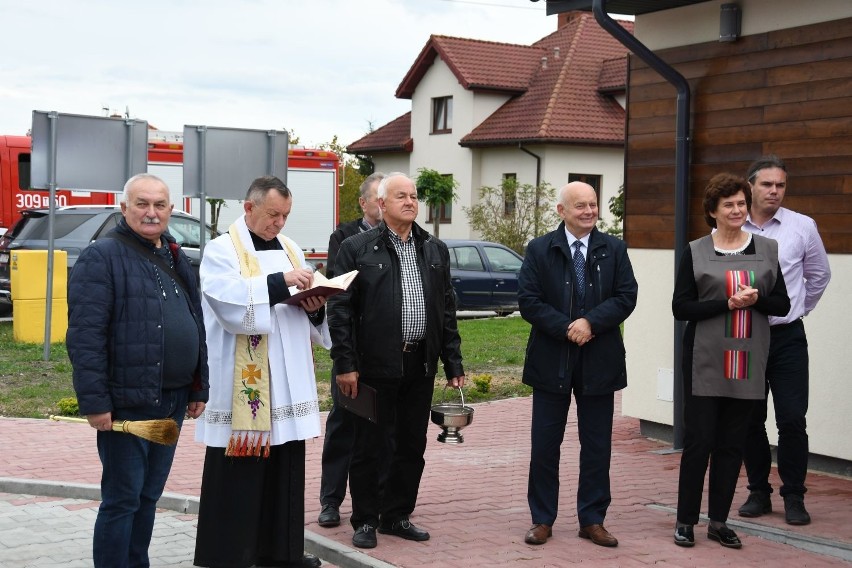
<point x="388" y="331"/>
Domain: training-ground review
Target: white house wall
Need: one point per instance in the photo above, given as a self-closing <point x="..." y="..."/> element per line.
<point x="604" y="161"/>
<point x="649" y="332"/>
<point x="388" y="163"/>
<point x="556" y="163"/>
<point x="441" y="152"/>
<point x="699" y="23"/>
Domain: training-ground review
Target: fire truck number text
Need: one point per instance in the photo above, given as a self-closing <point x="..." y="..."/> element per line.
<point x="38" y="200"/>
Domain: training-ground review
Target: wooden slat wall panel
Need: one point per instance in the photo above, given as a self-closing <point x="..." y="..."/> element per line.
<point x="787" y="92"/>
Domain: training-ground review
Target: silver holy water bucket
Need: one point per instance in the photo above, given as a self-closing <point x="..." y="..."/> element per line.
<point x="451" y="418"/>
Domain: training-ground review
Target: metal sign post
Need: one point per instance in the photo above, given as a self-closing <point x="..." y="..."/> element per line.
<point x="51" y="176"/>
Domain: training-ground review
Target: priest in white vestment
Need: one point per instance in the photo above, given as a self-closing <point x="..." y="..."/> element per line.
<point x="263" y="397"/>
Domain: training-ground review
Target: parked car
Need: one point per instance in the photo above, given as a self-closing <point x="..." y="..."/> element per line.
<point x="484" y="276"/>
<point x="75" y="227"/>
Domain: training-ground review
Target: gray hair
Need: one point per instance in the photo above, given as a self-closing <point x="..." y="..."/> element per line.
<point x="368" y="182"/>
<point x="382" y="191"/>
<point x="139" y="177"/>
<point x="261" y="186"/>
<point x="764" y="162"/>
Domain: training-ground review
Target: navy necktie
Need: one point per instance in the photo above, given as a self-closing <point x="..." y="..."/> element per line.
<point x="580" y="268"/>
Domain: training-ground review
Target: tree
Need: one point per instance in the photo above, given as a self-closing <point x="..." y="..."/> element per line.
<point x="513" y="213"/>
<point x="348" y="192"/>
<point x="616" y="207"/>
<point x="435" y="189"/>
<point x="215" y="207"/>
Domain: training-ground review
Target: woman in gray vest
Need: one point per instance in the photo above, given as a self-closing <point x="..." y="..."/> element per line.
<point x="727" y="284"/>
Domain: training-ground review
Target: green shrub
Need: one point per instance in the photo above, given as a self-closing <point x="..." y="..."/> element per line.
<point x="482" y="383"/>
<point x="68" y="406"/>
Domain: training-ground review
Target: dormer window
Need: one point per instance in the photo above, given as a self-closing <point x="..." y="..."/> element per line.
<point x="442" y="115"/>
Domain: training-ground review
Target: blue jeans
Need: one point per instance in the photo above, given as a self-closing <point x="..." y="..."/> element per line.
<point x="133" y="478"/>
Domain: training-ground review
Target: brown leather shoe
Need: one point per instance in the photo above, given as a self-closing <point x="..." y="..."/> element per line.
<point x="598" y="534"/>
<point x="538" y="534"/>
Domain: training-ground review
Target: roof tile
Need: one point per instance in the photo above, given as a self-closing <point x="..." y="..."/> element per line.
<point x="395" y="136"/>
<point x="563" y="103"/>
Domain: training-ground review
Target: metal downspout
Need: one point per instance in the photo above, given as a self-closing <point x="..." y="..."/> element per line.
<point x="682" y="158"/>
<point x="537" y="183"/>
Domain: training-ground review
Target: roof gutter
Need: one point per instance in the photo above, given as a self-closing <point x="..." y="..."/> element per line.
<point x="682" y="158"/>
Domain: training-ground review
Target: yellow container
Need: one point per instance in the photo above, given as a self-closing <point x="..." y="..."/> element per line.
<point x="28" y="272"/>
<point x="28" y="320"/>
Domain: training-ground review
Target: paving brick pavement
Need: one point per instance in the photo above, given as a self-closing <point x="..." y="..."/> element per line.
<point x="55" y="532"/>
<point x="472" y="500"/>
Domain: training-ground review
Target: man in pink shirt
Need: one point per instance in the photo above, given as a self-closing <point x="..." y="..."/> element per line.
<point x="804" y="264"/>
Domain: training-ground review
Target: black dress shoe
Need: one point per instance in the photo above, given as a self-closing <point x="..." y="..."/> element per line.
<point x="404" y="529"/>
<point x="794" y="510"/>
<point x="329" y="516"/>
<point x="724" y="536"/>
<point x="684" y="536"/>
<point x="757" y="504"/>
<point x="311" y="561"/>
<point x="365" y="537"/>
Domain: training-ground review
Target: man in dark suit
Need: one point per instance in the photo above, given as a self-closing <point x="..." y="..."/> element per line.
<point x="576" y="287"/>
<point x="339" y="432"/>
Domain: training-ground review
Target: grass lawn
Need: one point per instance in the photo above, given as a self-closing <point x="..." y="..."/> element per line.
<point x="493" y="351"/>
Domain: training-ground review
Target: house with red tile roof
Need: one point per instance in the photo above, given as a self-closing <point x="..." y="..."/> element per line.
<point x="484" y="111"/>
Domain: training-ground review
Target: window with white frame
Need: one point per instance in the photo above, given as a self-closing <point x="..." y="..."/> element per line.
<point x="593" y="180"/>
<point x="442" y="115"/>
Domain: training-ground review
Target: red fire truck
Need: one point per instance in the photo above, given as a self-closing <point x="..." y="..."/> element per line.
<point x="312" y="176"/>
<point x="15" y="194"/>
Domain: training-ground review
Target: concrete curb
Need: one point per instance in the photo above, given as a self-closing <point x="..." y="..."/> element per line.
<point x="810" y="543"/>
<point x="325" y="548"/>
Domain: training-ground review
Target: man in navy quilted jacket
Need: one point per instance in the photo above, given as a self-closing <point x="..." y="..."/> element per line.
<point x="136" y="342"/>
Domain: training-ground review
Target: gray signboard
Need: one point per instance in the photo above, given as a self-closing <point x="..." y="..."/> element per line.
<point x="93" y="153"/>
<point x="221" y="163"/>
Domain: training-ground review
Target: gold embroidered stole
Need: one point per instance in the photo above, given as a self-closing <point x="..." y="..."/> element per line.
<point x="251" y="404"/>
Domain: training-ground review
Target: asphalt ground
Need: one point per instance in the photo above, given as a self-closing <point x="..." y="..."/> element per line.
<point x="472" y="500"/>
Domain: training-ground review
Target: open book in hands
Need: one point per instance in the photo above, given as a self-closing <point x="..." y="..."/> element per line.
<point x="322" y="286"/>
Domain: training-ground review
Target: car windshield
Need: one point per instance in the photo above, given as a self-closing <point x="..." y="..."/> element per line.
<point x="187" y="231"/>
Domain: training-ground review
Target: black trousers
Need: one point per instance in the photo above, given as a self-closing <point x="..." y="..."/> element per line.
<point x="397" y="442"/>
<point x="336" y="450"/>
<point x="714" y="432"/>
<point x="252" y="510"/>
<point x="787" y="378"/>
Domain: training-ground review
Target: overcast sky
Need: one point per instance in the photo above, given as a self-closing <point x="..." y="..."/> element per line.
<point x="318" y="67"/>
